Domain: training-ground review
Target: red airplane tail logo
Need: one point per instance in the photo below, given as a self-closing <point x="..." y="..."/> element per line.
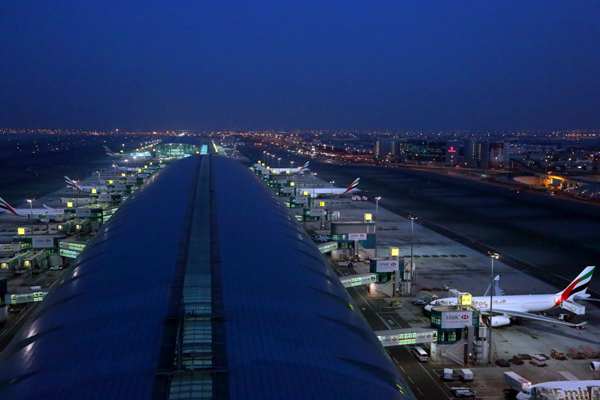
<point x="5" y="206"/>
<point x="353" y="185"/>
<point x="72" y="183"/>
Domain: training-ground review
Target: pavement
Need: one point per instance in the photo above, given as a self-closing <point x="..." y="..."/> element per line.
<point x="441" y="261"/>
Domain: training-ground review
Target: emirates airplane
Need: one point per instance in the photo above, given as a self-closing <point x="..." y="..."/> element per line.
<point x="330" y="192"/>
<point x="299" y="170"/>
<point x="71" y="184"/>
<point x="38" y="213"/>
<point x="523" y="306"/>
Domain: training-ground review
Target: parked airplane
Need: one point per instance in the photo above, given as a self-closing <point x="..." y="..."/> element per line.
<point x="329" y="192"/>
<point x="299" y="170"/>
<point x="124" y="169"/>
<point x="505" y="307"/>
<point x="38" y="213"/>
<point x="71" y="184"/>
<point x="111" y="153"/>
<point x="567" y="390"/>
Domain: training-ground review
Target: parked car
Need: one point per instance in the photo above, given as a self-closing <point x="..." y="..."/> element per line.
<point x="347" y="264"/>
<point x="419" y="302"/>
<point x="463" y="392"/>
<point x="320" y="238"/>
<point x="55" y="268"/>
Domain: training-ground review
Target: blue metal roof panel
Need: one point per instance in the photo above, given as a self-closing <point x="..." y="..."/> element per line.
<point x="292" y="330"/>
<point x="98" y="333"/>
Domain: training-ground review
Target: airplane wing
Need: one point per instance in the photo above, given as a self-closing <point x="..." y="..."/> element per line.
<point x="524" y="314"/>
<point x="49" y="208"/>
<point x="496" y="288"/>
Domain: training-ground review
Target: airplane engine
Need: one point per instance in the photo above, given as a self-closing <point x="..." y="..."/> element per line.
<point x="595" y="366"/>
<point x="500" y="321"/>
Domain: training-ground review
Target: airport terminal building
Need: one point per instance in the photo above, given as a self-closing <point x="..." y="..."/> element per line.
<point x="201" y="286"/>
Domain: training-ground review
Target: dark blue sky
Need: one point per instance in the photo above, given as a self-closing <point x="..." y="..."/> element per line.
<point x="307" y="64"/>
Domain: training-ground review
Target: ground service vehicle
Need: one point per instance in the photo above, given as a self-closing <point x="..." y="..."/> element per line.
<point x="466" y="375"/>
<point x="420" y="354"/>
<point x="448" y="374"/>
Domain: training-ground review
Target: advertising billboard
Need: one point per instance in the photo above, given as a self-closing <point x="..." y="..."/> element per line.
<point x="42" y="243"/>
<point x="357" y="236"/>
<point x="456" y="319"/>
<point x="83" y="212"/>
<point x="317" y="212"/>
<point x="387" y="265"/>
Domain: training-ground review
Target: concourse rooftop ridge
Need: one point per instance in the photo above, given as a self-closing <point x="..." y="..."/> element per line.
<point x="201" y="286"/>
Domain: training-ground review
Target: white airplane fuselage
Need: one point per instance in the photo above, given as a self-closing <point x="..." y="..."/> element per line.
<point x="86" y="188"/>
<point x="525" y="303"/>
<point x="288" y="170"/>
<point x="36" y="212"/>
<point x="567" y="390"/>
<point x="324" y="192"/>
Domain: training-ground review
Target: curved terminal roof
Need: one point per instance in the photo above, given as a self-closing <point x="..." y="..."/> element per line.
<point x="200" y="286"/>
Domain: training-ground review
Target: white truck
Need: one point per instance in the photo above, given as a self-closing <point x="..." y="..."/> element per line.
<point x="516" y="382"/>
<point x="466" y="375"/>
<point x="448" y="374"/>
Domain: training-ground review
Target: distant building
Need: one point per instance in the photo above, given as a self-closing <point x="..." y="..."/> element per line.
<point x="452" y="152"/>
<point x="487" y="155"/>
<point x="386" y="147"/>
<point x="424" y="150"/>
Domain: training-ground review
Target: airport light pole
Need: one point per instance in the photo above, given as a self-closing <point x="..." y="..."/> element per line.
<point x="264" y="152"/>
<point x="493" y="256"/>
<point x="412" y="242"/>
<point x="30" y="201"/>
<point x="279" y="162"/>
<point x="292" y="164"/>
<point x="331" y="197"/>
<point x="376" y="221"/>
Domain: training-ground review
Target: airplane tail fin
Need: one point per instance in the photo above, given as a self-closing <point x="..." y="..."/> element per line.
<point x="108" y="151"/>
<point x="72" y="183"/>
<point x="579" y="286"/>
<point x="304" y="166"/>
<point x="495" y="289"/>
<point x="6" y="207"/>
<point x="47" y="207"/>
<point x="353" y="185"/>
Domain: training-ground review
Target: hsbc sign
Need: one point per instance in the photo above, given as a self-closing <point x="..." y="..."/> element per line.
<point x="42" y="243"/>
<point x="387" y="265"/>
<point x="457" y="319"/>
<point x="357" y="236"/>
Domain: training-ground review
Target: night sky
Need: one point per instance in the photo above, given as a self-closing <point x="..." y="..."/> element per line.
<point x="226" y="64"/>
